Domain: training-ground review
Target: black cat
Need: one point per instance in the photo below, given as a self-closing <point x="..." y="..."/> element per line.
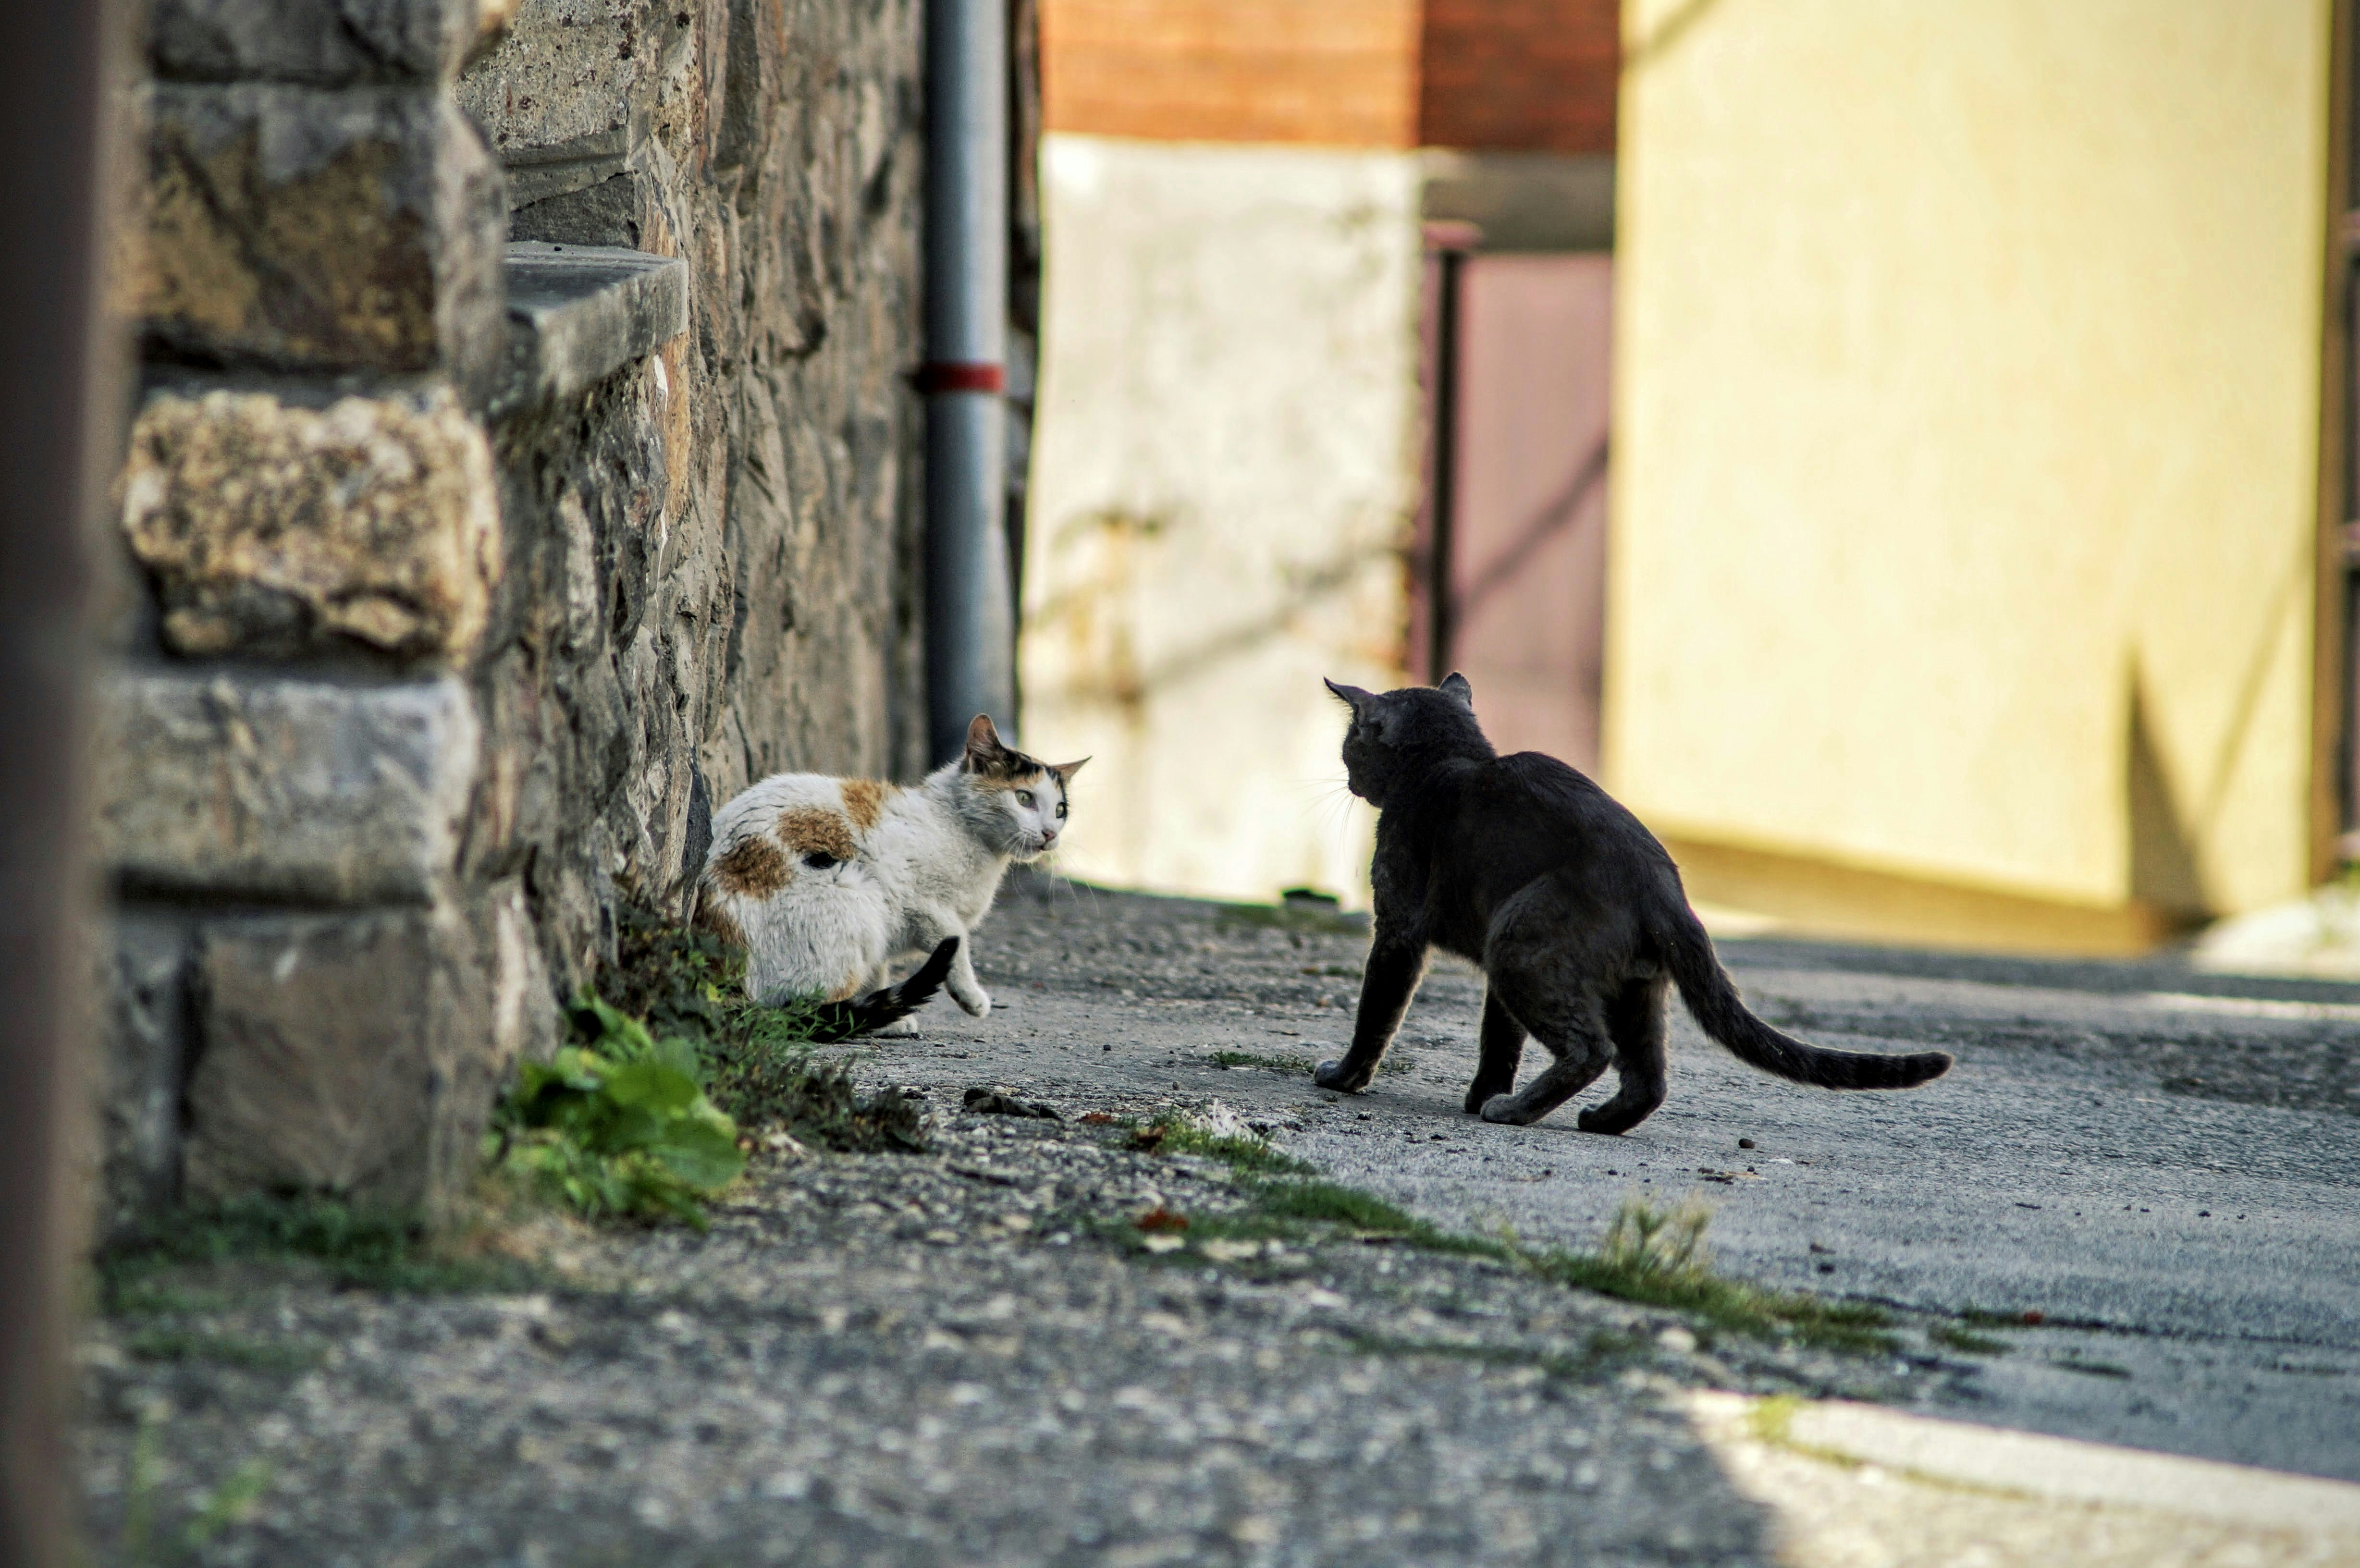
<point x="1573" y="909"/>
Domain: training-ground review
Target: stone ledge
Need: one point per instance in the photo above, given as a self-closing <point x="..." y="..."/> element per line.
<point x="579" y="313"/>
<point x="242" y="787"/>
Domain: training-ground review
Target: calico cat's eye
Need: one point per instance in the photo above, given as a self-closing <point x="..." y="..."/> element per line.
<point x="1061" y="810"/>
<point x="1024" y="799"/>
<point x="819" y="860"/>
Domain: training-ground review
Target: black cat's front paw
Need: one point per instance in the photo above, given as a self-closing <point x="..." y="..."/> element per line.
<point x="1331" y="1074"/>
<point x="1480" y="1093"/>
<point x="1502" y="1108"/>
<point x="1603" y="1120"/>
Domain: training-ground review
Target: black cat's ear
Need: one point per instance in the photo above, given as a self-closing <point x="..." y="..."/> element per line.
<point x="1351" y="695"/>
<point x="1455" y="684"/>
<point x="983" y="747"/>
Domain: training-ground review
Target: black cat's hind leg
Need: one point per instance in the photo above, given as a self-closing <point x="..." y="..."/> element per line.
<point x="1499" y="1048"/>
<point x="1634" y="1018"/>
<point x="1573" y="1027"/>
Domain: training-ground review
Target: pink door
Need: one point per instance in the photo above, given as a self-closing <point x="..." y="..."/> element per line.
<point x="1517" y="565"/>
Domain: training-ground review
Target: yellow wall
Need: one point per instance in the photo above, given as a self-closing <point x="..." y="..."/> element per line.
<point x="1968" y="379"/>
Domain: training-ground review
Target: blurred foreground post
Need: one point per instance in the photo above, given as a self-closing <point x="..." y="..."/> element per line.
<point x="52" y="105"/>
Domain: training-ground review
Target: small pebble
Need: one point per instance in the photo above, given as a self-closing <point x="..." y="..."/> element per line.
<point x="1745" y="1143"/>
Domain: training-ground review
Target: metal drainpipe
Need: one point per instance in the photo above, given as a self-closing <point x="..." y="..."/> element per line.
<point x="970" y="621"/>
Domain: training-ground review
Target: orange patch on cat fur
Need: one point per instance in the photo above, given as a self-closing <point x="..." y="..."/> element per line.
<point x="714" y="920"/>
<point x="864" y="801"/>
<point x="806" y="830"/>
<point x="755" y="868"/>
<point x="847" y="991"/>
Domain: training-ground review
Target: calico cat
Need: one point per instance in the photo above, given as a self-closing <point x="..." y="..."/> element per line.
<point x="1572" y="909"/>
<point x="826" y="881"/>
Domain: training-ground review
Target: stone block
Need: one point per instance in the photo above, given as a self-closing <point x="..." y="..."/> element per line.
<point x="579" y="313"/>
<point x="298" y="228"/>
<point x="282" y="789"/>
<point x="357" y="1055"/>
<point x="569" y="95"/>
<point x="143" y="970"/>
<point x="275" y="529"/>
<point x="328" y="43"/>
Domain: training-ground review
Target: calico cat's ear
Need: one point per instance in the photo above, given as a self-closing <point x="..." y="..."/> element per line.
<point x="983" y="747"/>
<point x="1351" y="695"/>
<point x="1455" y="684"/>
<point x="1066" y="770"/>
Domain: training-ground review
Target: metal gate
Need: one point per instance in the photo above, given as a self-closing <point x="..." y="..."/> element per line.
<point x="1510" y="583"/>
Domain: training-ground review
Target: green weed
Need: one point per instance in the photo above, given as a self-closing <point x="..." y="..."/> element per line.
<point x="1650" y="1256"/>
<point x="757" y="1063"/>
<point x="224" y="1505"/>
<point x="1658" y="1258"/>
<point x="1177" y="1134"/>
<point x="222" y="1350"/>
<point x="620" y="1125"/>
<point x="1966" y="1341"/>
<point x="373" y="1249"/>
<point x="639" y="1114"/>
<point x="2091" y="1368"/>
<point x="1331" y="1204"/>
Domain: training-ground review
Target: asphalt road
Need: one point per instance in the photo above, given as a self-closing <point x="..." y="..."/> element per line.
<point x="2138" y="1180"/>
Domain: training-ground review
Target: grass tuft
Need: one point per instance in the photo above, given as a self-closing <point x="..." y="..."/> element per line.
<point x="366" y="1249"/>
<point x="1966" y="1341"/>
<point x="1174" y="1133"/>
<point x="759" y="1062"/>
<point x="1651" y="1255"/>
<point x="222" y="1350"/>
<point x="1658" y="1259"/>
<point x="616" y="1124"/>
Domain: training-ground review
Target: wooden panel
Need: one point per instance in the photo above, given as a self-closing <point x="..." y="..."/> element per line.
<point x="1527" y="528"/>
<point x="1519" y="75"/>
<point x="1338" y="72"/>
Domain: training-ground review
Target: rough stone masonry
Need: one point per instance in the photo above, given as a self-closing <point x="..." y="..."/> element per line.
<point x="522" y="463"/>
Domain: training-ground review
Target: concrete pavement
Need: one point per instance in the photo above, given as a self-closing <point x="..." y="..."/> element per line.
<point x="2135" y="1187"/>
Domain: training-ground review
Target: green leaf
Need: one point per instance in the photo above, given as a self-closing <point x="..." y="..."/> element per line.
<point x="653" y="1085"/>
<point x="701" y="1153"/>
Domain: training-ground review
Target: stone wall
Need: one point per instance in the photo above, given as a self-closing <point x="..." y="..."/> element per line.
<point x="523" y="466"/>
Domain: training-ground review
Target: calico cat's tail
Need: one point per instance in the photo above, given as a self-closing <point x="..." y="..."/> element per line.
<point x="1704" y="986"/>
<point x="886" y="1005"/>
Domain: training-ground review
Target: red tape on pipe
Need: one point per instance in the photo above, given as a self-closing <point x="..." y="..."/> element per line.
<point x="957" y="376"/>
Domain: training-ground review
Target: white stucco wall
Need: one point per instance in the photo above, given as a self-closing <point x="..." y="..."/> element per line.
<point x="1225" y="472"/>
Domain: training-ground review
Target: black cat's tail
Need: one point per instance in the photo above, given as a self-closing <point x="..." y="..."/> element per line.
<point x="1704" y="986"/>
<point x="887" y="1004"/>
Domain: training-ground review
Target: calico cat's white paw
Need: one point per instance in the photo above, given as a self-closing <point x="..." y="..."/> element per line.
<point x="899" y="1029"/>
<point x="979" y="1005"/>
